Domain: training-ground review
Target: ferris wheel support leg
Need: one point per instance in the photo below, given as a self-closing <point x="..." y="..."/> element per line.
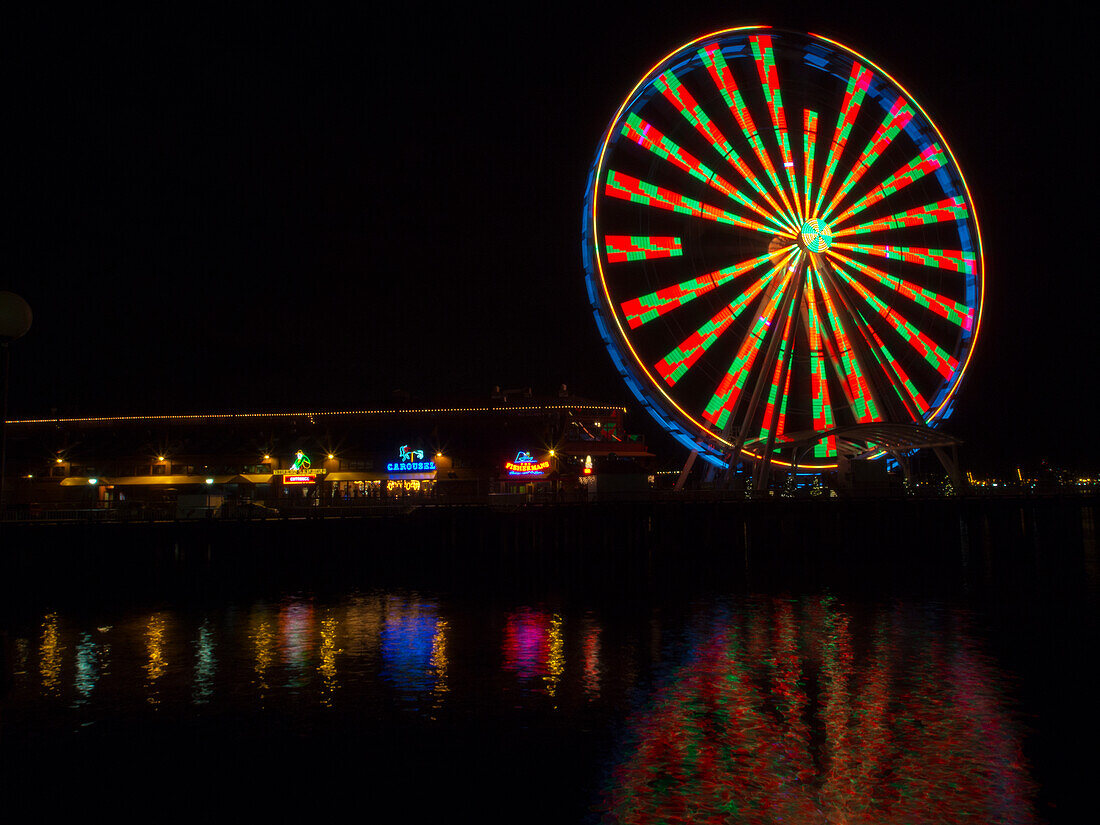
<point x="764" y="467"/>
<point x="758" y="389"/>
<point x="951" y="467"/>
<point x="687" y="469"/>
<point x="903" y="462"/>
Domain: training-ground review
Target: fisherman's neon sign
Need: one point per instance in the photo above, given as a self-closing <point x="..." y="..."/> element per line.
<point x="526" y="466"/>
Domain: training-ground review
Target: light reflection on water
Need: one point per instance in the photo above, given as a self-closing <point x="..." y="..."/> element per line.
<point x="49" y="660"/>
<point x="328" y="654"/>
<point x="156" y="662"/>
<point x="799" y="712"/>
<point x="533" y="649"/>
<point x="206" y="663"/>
<point x="413" y="635"/>
<point x="746" y="709"/>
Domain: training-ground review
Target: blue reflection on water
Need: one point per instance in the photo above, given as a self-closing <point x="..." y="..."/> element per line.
<point x="87" y="668"/>
<point x="205" y="665"/>
<point x="408" y="631"/>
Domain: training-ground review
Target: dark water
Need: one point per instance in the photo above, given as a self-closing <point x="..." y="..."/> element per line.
<point x="530" y="699"/>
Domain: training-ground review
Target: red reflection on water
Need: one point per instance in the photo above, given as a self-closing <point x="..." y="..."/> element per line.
<point x="527" y="643"/>
<point x="777" y="718"/>
<point x="591" y="651"/>
<point x="296" y="625"/>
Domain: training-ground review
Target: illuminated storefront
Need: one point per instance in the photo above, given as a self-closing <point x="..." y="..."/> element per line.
<point x="529" y="474"/>
<point x="411" y="474"/>
<point x="264" y="462"/>
<point x="301" y="477"/>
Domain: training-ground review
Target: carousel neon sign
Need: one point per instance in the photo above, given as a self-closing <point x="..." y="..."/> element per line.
<point x="412" y="461"/>
<point x="525" y="465"/>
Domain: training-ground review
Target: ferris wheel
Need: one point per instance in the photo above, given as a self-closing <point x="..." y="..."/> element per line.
<point x="779" y="244"/>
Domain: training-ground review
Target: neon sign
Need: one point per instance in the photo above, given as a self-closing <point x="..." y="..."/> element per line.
<point x="525" y="465"/>
<point x="300" y="472"/>
<point x="412" y="461"/>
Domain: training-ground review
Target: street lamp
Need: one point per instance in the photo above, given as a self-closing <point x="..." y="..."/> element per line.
<point x="15" y="320"/>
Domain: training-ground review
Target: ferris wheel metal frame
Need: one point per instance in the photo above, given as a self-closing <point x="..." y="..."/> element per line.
<point x="753" y="274"/>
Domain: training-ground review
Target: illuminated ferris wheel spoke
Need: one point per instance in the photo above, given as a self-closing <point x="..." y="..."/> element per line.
<point x="683" y="101"/>
<point x="847" y="385"/>
<point x="623" y="248"/>
<point x="769" y="79"/>
<point x="940" y="360"/>
<point x="645" y="308"/>
<point x="902" y="379"/>
<point x="819" y="386"/>
<point x="782" y="426"/>
<point x="954" y="311"/>
<point x="896" y="119"/>
<point x="895" y="376"/>
<point x="637" y="191"/>
<point x="677" y="362"/>
<point x="780" y="374"/>
<point x="865" y="408"/>
<point x="724" y="81"/>
<point x="858" y="82"/>
<point x="781" y="349"/>
<point x="929" y="160"/>
<point x="725" y="397"/>
<point x="809" y="145"/>
<point x="953" y="260"/>
<point x="840" y="370"/>
<point x="946" y="210"/>
<point x="649" y="137"/>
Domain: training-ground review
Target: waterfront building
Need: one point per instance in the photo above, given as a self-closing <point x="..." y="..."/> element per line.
<point x="193" y="465"/>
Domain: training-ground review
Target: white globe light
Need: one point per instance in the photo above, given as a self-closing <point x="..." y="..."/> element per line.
<point x="15" y="316"/>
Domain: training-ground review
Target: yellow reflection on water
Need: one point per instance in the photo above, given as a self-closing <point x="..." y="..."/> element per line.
<point x="363" y="627"/>
<point x="327" y="665"/>
<point x="439" y="662"/>
<point x="156" y="663"/>
<point x="555" y="660"/>
<point x="49" y="660"/>
<point x="263" y="646"/>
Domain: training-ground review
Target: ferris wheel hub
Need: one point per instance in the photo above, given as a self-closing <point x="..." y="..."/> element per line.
<point x="815" y="235"/>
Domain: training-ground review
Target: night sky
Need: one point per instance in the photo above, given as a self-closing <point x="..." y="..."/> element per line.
<point x="252" y="213"/>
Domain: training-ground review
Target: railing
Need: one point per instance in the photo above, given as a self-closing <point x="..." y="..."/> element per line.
<point x="110" y="512"/>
